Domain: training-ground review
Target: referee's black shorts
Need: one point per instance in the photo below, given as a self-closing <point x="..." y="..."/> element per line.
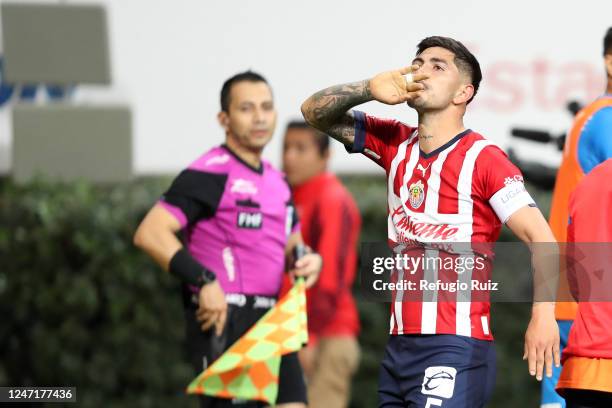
<point x="205" y="347"/>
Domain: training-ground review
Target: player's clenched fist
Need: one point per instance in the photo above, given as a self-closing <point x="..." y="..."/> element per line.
<point x="392" y="87"/>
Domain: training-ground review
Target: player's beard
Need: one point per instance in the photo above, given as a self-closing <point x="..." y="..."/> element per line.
<point x="427" y="103"/>
<point x="246" y="141"/>
<point x="416" y="103"/>
<point x="256" y="143"/>
<point x="420" y="105"/>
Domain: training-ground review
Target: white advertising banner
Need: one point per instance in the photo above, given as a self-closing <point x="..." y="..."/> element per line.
<point x="169" y="59"/>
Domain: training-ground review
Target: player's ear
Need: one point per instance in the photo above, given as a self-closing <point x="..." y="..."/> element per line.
<point x="465" y="92"/>
<point x="223" y="119"/>
<point x="608" y="61"/>
<point x="327" y="154"/>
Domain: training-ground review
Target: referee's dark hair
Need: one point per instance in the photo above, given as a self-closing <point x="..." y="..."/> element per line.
<point x="464" y="59"/>
<point x="320" y="138"/>
<point x="249" y="76"/>
<point x="607" y="49"/>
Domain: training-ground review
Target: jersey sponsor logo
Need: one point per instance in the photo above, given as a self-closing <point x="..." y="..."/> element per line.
<point x="242" y="186"/>
<point x="237" y="299"/>
<point x="423" y="169"/>
<point x="222" y="159"/>
<point x="439" y="381"/>
<point x="422" y="229"/>
<point x="514" y="179"/>
<point x="262" y="302"/>
<point x="250" y="220"/>
<point x="417" y="194"/>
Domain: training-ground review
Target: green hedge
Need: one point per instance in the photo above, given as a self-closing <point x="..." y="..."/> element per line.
<point x="80" y="306"/>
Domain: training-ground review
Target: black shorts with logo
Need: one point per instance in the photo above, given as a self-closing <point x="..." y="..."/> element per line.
<point x="205" y="347"/>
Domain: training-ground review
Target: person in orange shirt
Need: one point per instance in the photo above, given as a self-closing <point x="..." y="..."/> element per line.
<point x="330" y="225"/>
<point x="586" y="377"/>
<point x="588" y="143"/>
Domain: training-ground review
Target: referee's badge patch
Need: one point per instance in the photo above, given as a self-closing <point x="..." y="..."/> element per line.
<point x="439" y="381"/>
<point x="417" y="194"/>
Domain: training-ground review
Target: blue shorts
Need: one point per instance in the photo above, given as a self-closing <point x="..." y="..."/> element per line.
<point x="441" y="370"/>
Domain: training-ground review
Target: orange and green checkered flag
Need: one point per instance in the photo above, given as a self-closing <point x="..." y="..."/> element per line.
<point x="249" y="369"/>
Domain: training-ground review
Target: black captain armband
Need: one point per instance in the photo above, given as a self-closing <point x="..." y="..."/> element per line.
<point x="188" y="270"/>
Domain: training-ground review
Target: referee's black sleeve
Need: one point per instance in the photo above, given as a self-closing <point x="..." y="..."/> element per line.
<point x="196" y="193"/>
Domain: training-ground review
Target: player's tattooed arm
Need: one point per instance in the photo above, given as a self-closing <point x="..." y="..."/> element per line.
<point x="329" y="110"/>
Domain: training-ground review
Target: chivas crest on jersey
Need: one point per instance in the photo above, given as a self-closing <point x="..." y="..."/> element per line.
<point x="417" y="194"/>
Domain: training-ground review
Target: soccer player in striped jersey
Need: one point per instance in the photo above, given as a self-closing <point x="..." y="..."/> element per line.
<point x="446" y="184"/>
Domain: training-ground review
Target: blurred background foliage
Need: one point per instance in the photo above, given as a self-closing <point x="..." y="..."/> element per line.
<point x="80" y="306"/>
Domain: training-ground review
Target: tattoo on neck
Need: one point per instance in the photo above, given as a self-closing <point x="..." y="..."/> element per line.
<point x="425" y="137"/>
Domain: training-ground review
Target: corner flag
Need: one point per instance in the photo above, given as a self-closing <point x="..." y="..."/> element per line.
<point x="249" y="369"/>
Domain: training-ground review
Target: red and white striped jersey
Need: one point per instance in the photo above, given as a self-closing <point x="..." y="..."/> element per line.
<point x="460" y="193"/>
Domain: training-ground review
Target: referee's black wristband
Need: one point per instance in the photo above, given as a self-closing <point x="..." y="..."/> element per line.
<point x="187" y="269"/>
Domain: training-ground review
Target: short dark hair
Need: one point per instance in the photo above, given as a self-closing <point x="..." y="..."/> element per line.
<point x="608" y="42"/>
<point x="464" y="59"/>
<point x="320" y="138"/>
<point x="240" y="77"/>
